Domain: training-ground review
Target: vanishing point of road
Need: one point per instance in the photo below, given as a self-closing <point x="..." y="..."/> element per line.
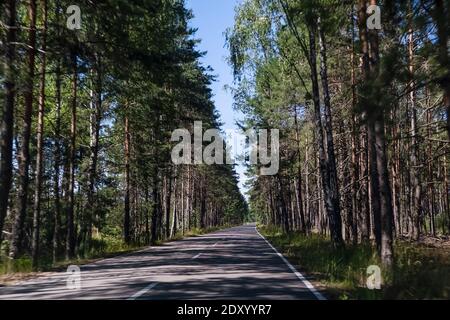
<point x="235" y="264"/>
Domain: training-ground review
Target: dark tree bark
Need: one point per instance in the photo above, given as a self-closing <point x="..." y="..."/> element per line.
<point x="71" y="233"/>
<point x="57" y="154"/>
<point x="168" y="203"/>
<point x="94" y="132"/>
<point x="57" y="166"/>
<point x="414" y="153"/>
<point x="368" y="117"/>
<point x="387" y="255"/>
<point x="298" y="183"/>
<point x="156" y="207"/>
<point x="126" y="219"/>
<point x="335" y="219"/>
<point x="203" y="204"/>
<point x="356" y="194"/>
<point x="7" y="120"/>
<point x="174" y="227"/>
<point x="40" y="140"/>
<point x="366" y="130"/>
<point x="330" y="201"/>
<point x="24" y="152"/>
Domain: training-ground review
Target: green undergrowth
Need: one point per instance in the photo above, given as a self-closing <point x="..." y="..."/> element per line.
<point x="420" y="272"/>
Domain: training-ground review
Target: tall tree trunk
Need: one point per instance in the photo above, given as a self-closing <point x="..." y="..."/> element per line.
<point x="24" y="153"/>
<point x="387" y="254"/>
<point x="126" y="218"/>
<point x="7" y="114"/>
<point x="183" y="195"/>
<point x="414" y="154"/>
<point x="57" y="154"/>
<point x="40" y="140"/>
<point x="70" y="236"/>
<point x="203" y="205"/>
<point x="308" y="223"/>
<point x="367" y="115"/>
<point x="156" y="207"/>
<point x="298" y="182"/>
<point x="94" y="132"/>
<point x="168" y="203"/>
<point x="174" y="227"/>
<point x="357" y="186"/>
<point x="335" y="219"/>
<point x="57" y="166"/>
<point x="330" y="201"/>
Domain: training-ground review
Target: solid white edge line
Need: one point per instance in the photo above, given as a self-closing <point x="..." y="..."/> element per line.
<point x="143" y="291"/>
<point x="308" y="284"/>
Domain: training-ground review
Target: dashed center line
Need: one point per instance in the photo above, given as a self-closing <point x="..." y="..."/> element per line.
<point x="197" y="256"/>
<point x="143" y="291"/>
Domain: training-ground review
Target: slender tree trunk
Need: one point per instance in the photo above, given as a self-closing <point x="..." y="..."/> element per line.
<point x="357" y="207"/>
<point x="94" y="130"/>
<point x="168" y="203"/>
<point x="308" y="223"/>
<point x="335" y="219"/>
<point x="174" y="227"/>
<point x="7" y="114"/>
<point x="329" y="194"/>
<point x="367" y="116"/>
<point x="24" y="153"/>
<point x="387" y="255"/>
<point x="183" y="195"/>
<point x="40" y="140"/>
<point x="70" y="236"/>
<point x="155" y="208"/>
<point x="366" y="225"/>
<point x="298" y="183"/>
<point x="126" y="219"/>
<point x="446" y="189"/>
<point x="203" y="205"/>
<point x="414" y="154"/>
<point x="57" y="153"/>
<point x="56" y="166"/>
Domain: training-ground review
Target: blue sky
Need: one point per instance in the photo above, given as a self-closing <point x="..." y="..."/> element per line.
<point x="212" y="18"/>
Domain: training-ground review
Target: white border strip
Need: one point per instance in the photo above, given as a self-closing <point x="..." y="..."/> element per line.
<point x="308" y="284"/>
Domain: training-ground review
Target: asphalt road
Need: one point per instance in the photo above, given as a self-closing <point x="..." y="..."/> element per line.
<point x="236" y="264"/>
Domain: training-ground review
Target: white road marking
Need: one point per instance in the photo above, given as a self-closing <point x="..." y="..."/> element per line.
<point x="308" y="284"/>
<point x="197" y="256"/>
<point x="143" y="291"/>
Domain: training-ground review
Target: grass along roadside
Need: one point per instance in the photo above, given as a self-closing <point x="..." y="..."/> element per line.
<point x="104" y="247"/>
<point x="421" y="272"/>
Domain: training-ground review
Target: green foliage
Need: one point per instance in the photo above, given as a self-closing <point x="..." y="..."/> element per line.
<point x="419" y="272"/>
<point x="135" y="61"/>
<point x="22" y="265"/>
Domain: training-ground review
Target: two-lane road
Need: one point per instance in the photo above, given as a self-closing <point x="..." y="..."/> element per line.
<point x="236" y="263"/>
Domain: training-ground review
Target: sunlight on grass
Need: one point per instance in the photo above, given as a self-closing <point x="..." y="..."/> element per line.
<point x="420" y="272"/>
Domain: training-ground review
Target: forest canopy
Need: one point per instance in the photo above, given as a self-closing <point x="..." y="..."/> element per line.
<point x="86" y="121"/>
